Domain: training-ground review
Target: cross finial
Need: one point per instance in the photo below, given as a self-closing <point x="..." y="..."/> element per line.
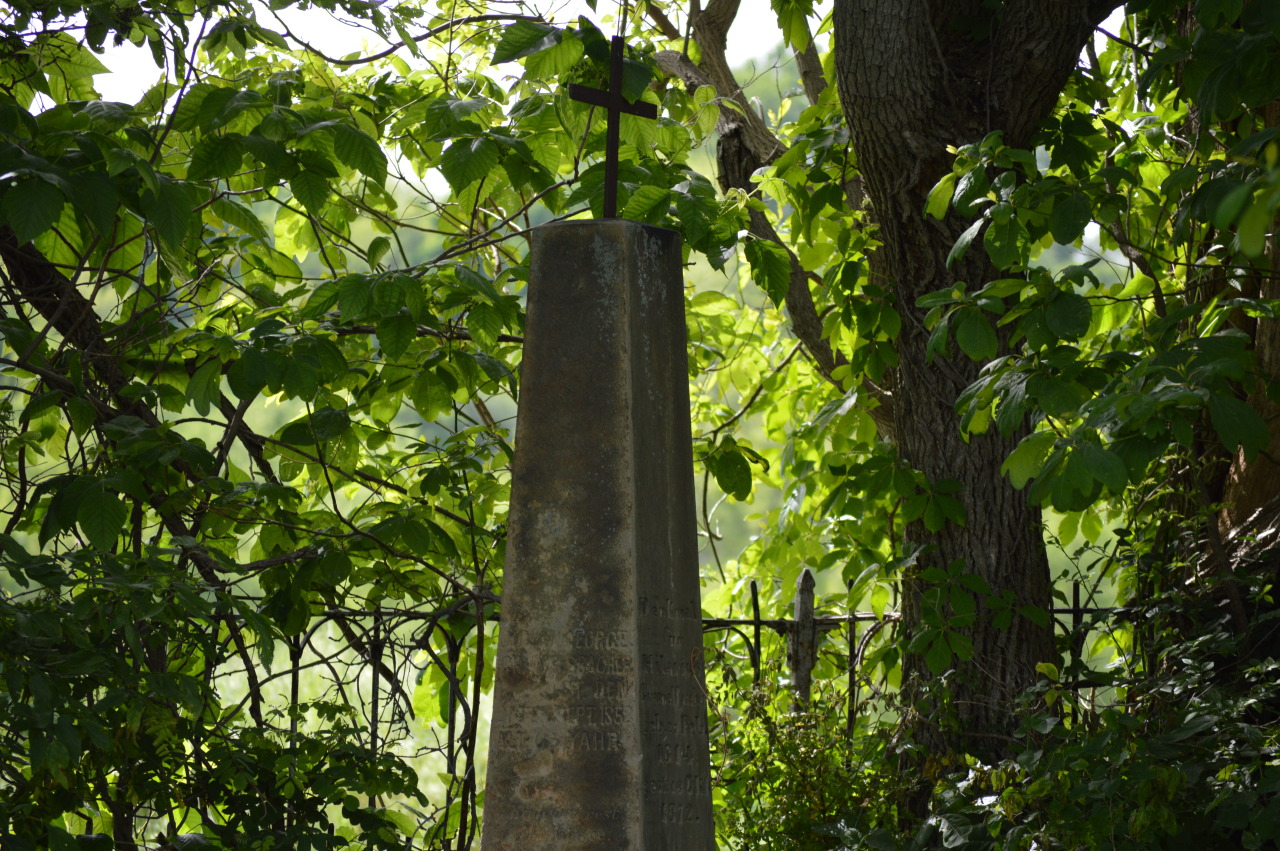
<point x="616" y="104"/>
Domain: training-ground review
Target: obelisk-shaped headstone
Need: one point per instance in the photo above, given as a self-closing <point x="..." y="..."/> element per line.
<point x="599" y="737"/>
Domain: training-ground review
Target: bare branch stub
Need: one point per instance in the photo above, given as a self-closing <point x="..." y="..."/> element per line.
<point x="616" y="104"/>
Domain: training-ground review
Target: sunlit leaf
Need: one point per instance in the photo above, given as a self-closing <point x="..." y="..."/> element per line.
<point x="524" y="38"/>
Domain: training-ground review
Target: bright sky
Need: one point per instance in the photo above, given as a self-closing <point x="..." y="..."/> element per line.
<point x="134" y="69"/>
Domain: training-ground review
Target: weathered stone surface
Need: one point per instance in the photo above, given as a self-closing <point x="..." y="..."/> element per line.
<point x="599" y="736"/>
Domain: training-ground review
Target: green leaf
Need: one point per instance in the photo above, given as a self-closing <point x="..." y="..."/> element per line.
<point x="1253" y="228"/>
<point x="170" y="211"/>
<point x="961" y="646"/>
<point x="1006" y="242"/>
<point x="355" y="295"/>
<point x="1106" y="467"/>
<point x="215" y="156"/>
<point x="356" y="150"/>
<point x="484" y="323"/>
<point x="1025" y="462"/>
<point x="708" y="114"/>
<point x="731" y="470"/>
<point x="938" y="656"/>
<point x="1035" y="614"/>
<point x="31" y="207"/>
<point x="882" y="840"/>
<point x="311" y="190"/>
<point x="940" y="196"/>
<point x="559" y="58"/>
<point x="328" y="423"/>
<point x="60" y="840"/>
<point x="1069" y="217"/>
<point x="237" y="215"/>
<point x="1056" y="396"/>
<point x="644" y="199"/>
<point x="203" y="388"/>
<point x="430" y="396"/>
<point x="770" y="268"/>
<point x="378" y="248"/>
<point x="963" y="242"/>
<point x="711" y="303"/>
<point x="524" y="38"/>
<point x="972" y="192"/>
<point x="251" y="372"/>
<point x="1068" y="315"/>
<point x="94" y="197"/>
<point x="635" y="79"/>
<point x="1238" y="424"/>
<point x="396" y="333"/>
<point x="468" y="160"/>
<point x="82" y="414"/>
<point x="974" y="334"/>
<point x="101" y="515"/>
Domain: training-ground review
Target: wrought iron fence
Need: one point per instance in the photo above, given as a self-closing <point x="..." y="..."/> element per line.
<point x="395" y="663"/>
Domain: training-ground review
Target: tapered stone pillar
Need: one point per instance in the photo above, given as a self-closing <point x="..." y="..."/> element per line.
<point x="599" y="736"/>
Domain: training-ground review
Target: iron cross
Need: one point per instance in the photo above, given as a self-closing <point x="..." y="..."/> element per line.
<point x="613" y="101"/>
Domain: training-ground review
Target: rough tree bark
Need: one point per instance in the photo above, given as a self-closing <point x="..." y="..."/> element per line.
<point x="915" y="76"/>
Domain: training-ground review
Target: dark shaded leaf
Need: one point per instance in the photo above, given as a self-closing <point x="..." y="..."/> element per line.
<point x="770" y="268"/>
<point x="1069" y="218"/>
<point x="974" y="334"/>
<point x="1239" y="425"/>
<point x="356" y="150"/>
<point x="311" y="190"/>
<point x="1068" y="315"/>
<point x="215" y="156"/>
<point x="31" y="208"/>
<point x="468" y="160"/>
<point x="101" y="515"/>
<point x="396" y="333"/>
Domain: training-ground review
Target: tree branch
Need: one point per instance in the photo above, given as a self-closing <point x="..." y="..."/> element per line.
<point x="711" y="30"/>
<point x="737" y="160"/>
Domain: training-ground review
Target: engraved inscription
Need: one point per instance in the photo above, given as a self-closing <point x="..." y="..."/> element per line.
<point x="663" y="665"/>
<point x="595" y="740"/>
<point x="669" y="751"/>
<point x="690" y="785"/>
<point x="677" y="697"/>
<point x="596" y="716"/>
<point x="678" y="813"/>
<point x="611" y="690"/>
<point x="599" y="639"/>
<point x="600" y="665"/>
<point x="669" y="609"/>
<point x="605" y="815"/>
<point x="685" y="725"/>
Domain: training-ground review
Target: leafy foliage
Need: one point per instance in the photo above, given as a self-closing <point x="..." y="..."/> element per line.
<point x="261" y="344"/>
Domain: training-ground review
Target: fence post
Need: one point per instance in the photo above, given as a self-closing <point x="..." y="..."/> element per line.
<point x="802" y="642"/>
<point x="755" y="641"/>
<point x="1077" y="650"/>
<point x="851" y="711"/>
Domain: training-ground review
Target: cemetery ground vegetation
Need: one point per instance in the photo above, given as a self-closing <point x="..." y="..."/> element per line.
<point x="981" y="304"/>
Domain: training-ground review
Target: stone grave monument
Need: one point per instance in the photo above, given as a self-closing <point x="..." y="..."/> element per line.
<point x="599" y="736"/>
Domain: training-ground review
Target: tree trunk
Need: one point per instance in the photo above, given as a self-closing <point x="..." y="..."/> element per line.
<point x="913" y="78"/>
<point x="1253" y="485"/>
